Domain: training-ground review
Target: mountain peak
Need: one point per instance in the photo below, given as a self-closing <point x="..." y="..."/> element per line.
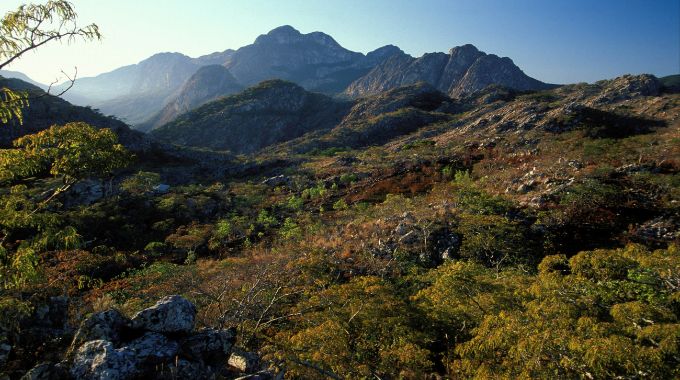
<point x="382" y="53"/>
<point x="284" y="30"/>
<point x="282" y="34"/>
<point x="467" y="49"/>
<point x="286" y="34"/>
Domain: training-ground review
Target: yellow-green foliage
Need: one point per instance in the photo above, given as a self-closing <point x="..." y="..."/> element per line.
<point x="68" y="153"/>
<point x="358" y="330"/>
<point x="607" y="314"/>
<point x="71" y="152"/>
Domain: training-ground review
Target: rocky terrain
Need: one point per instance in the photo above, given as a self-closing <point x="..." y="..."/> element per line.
<point x="160" y="342"/>
<point x="403" y="234"/>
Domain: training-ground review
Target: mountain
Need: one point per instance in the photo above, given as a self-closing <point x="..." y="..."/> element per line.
<point x="671" y="83"/>
<point x="271" y="112"/>
<point x="23" y="77"/>
<point x="208" y="83"/>
<point x="154" y="91"/>
<point x="315" y="60"/>
<point x="133" y="93"/>
<point x="375" y="120"/>
<point x="463" y="70"/>
<point x="150" y="93"/>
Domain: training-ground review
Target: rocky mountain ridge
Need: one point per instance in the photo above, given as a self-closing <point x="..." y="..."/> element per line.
<point x="462" y="71"/>
<point x="315" y="61"/>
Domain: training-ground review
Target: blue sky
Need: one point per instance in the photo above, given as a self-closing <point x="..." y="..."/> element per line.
<point x="558" y="41"/>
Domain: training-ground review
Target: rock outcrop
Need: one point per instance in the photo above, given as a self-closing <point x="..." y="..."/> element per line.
<point x="173" y="314"/>
<point x="158" y="342"/>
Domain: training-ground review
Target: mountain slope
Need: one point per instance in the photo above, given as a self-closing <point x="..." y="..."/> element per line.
<point x="47" y="110"/>
<point x="271" y="112"/>
<point x="21" y="76"/>
<point x="208" y="83"/>
<point x="463" y="70"/>
<point x="134" y="93"/>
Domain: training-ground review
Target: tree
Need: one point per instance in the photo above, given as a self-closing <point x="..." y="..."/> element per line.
<point x="603" y="314"/>
<point x="72" y="152"/>
<point x="68" y="154"/>
<point x="28" y="28"/>
<point x="358" y="330"/>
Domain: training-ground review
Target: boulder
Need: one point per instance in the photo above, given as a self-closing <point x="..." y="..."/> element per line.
<point x="279" y="180"/>
<point x="161" y="188"/>
<point x="153" y="347"/>
<point x="105" y="325"/>
<point x="185" y="369"/>
<point x="209" y="344"/>
<point x="159" y="342"/>
<point x="244" y="362"/>
<point x="172" y="314"/>
<point x="99" y="360"/>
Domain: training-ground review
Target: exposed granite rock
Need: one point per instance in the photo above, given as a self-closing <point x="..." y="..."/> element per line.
<point x="159" y="342"/>
<point x="279" y="180"/>
<point x="99" y="360"/>
<point x="208" y="344"/>
<point x="153" y="347"/>
<point x="628" y="87"/>
<point x="245" y="362"/>
<point x="105" y="325"/>
<point x="172" y="314"/>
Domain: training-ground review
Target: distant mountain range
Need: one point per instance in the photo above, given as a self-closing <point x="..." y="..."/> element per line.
<point x="158" y="89"/>
<point x="17" y="75"/>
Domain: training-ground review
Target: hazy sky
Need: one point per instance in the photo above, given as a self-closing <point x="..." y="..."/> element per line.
<point x="558" y="41"/>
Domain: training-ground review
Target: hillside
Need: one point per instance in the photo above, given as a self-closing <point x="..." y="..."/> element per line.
<point x="356" y="238"/>
<point x="47" y="110"/>
<point x="134" y="93"/>
<point x="271" y="112"/>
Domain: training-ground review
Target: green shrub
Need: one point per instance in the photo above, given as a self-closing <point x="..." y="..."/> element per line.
<point x="290" y="230"/>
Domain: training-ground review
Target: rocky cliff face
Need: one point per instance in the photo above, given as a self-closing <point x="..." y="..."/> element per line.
<point x="271" y="112"/>
<point x="208" y="83"/>
<point x="463" y="70"/>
